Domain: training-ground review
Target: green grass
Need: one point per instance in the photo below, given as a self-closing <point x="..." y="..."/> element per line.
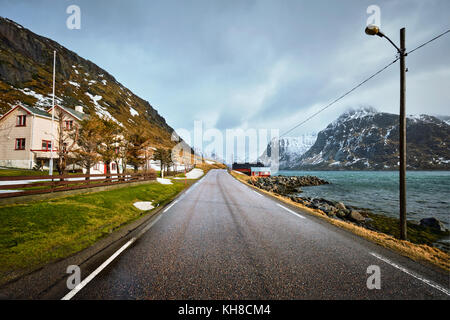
<point x="21" y="172"/>
<point x="35" y="234"/>
<point x="180" y="175"/>
<point x="24" y="172"/>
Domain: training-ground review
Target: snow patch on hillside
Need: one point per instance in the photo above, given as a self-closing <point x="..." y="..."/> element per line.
<point x="133" y="112"/>
<point x="43" y="102"/>
<point x="74" y="84"/>
<point x="95" y="99"/>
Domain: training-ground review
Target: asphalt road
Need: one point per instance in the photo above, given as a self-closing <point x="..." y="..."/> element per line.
<point x="222" y="240"/>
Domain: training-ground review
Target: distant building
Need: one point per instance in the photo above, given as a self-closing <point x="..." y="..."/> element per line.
<point x="246" y="167"/>
<point x="260" y="171"/>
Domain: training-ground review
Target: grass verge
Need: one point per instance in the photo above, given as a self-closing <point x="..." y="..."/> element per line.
<point x="417" y="252"/>
<point x="21" y="172"/>
<point x="37" y="233"/>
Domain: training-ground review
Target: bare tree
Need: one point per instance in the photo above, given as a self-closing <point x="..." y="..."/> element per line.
<point x="88" y="139"/>
<point x="164" y="156"/>
<point x="107" y="149"/>
<point x="67" y="136"/>
<point x="135" y="146"/>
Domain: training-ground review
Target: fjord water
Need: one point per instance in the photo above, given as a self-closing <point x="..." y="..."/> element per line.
<point x="428" y="192"/>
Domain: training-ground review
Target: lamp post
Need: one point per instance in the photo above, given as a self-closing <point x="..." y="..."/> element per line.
<point x="373" y="30"/>
<point x="50" y="169"/>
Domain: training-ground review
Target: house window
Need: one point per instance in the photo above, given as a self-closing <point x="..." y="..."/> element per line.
<point x="46" y="145"/>
<point x="21" y="121"/>
<point x="113" y="166"/>
<point x="68" y="124"/>
<point x="20" y="144"/>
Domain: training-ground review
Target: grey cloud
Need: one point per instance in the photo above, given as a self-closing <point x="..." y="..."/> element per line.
<point x="216" y="58"/>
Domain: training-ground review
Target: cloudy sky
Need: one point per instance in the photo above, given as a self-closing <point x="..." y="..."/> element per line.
<point x="254" y="63"/>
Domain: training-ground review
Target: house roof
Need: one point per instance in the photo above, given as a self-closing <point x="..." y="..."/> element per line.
<point x="47" y="114"/>
<point x="73" y="112"/>
<point x="237" y="166"/>
<point x="30" y="110"/>
<point x="260" y="169"/>
<point x="37" y="111"/>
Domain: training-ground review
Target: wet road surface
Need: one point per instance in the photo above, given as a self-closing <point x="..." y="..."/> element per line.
<point x="222" y="240"/>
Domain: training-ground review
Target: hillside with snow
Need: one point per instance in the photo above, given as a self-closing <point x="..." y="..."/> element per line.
<point x="26" y="72"/>
<point x="366" y="139"/>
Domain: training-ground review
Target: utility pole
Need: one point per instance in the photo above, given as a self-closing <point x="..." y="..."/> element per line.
<point x="373" y="30"/>
<point x="402" y="135"/>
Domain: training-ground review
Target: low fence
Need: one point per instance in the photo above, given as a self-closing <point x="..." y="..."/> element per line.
<point x="11" y="186"/>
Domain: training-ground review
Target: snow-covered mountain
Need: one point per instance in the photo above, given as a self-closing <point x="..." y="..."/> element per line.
<point x="446" y="119"/>
<point x="290" y="150"/>
<point x="366" y="139"/>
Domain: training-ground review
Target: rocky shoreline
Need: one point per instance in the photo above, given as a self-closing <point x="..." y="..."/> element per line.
<point x="284" y="185"/>
<point x="428" y="231"/>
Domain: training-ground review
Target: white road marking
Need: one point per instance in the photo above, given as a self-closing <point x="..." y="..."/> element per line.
<point x="148" y="227"/>
<point x="412" y="274"/>
<point x="257" y="193"/>
<point x="290" y="211"/>
<point x="171" y="206"/>
<point x="83" y="283"/>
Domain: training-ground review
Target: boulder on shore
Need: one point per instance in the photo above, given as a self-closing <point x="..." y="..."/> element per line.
<point x="432" y="223"/>
<point x="355" y="216"/>
<point x="341" y="206"/>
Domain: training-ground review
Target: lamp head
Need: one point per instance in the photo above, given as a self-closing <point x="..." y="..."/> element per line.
<point x="373" y="30"/>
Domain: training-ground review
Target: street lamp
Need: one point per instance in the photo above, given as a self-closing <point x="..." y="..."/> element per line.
<point x="373" y="30"/>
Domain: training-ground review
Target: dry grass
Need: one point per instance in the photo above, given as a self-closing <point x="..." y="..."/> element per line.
<point x="416" y="252"/>
<point x="206" y="166"/>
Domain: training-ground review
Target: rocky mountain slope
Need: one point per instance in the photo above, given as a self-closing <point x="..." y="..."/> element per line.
<point x="290" y="150"/>
<point x="26" y="67"/>
<point x="368" y="140"/>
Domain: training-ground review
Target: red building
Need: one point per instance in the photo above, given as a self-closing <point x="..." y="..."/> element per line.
<point x="252" y="169"/>
<point x="260" y="171"/>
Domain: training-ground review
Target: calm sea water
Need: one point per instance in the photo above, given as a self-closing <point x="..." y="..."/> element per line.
<point x="428" y="192"/>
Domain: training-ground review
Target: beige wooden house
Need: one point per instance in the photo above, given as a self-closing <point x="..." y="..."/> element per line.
<point x="26" y="134"/>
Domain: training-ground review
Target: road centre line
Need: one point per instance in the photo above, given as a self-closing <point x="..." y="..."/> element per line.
<point x="412" y="274"/>
<point x="291" y="212"/>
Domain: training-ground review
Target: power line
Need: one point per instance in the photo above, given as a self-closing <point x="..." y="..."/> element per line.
<point x="424" y="44"/>
<point x="362" y="83"/>
<point x="341" y="97"/>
